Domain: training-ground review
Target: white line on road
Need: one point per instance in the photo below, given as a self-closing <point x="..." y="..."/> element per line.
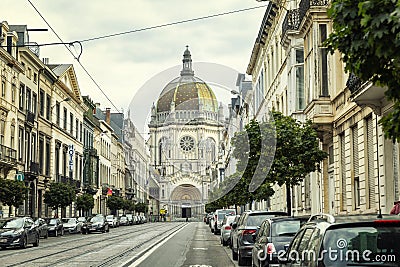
<point x="148" y="253"/>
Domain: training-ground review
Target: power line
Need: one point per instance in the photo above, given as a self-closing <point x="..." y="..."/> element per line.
<point x="171" y="23"/>
<point x="77" y="58"/>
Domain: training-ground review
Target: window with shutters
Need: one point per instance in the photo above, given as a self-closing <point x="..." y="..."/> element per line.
<point x="342" y="171"/>
<point x="370" y="163"/>
<point x="356" y="170"/>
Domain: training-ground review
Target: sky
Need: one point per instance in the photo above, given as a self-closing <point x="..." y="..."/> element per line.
<point x="134" y="68"/>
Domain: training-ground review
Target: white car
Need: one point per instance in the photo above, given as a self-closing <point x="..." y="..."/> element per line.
<point x="112" y="221"/>
<point x="226" y="229"/>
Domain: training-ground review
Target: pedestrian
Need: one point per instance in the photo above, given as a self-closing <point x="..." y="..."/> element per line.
<point x="396" y="208"/>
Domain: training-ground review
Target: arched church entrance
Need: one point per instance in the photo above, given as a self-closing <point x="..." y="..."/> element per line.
<point x="186" y="202"/>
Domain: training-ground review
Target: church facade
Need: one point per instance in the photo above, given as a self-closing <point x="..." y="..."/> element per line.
<point x="186" y="130"/>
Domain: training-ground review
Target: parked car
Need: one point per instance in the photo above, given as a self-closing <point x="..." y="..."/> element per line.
<point x="226" y="229"/>
<point x="56" y="226"/>
<point x="123" y="220"/>
<point x="72" y="225"/>
<point x="208" y="218"/>
<point x="219" y="217"/>
<point x="272" y="236"/>
<point x="112" y="220"/>
<point x="83" y="220"/>
<point x="362" y="240"/>
<point x="43" y="228"/>
<point x="212" y="222"/>
<point x="235" y="221"/>
<point x="130" y="218"/>
<point x="97" y="223"/>
<point x="244" y="229"/>
<point x="18" y="232"/>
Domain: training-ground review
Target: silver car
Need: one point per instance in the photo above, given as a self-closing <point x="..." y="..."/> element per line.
<point x="226" y="229"/>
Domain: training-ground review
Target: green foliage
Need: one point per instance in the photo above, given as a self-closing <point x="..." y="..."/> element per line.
<point x="367" y="33"/>
<point x="60" y="195"/>
<point x="12" y="192"/>
<point x="141" y="207"/>
<point x="297" y="151"/>
<point x="128" y="205"/>
<point x="85" y="202"/>
<point x="115" y="203"/>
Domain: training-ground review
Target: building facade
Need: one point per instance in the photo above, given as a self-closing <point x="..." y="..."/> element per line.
<point x="295" y="74"/>
<point x="186" y="130"/>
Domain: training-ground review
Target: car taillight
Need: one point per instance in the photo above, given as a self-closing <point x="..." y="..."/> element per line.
<point x="270" y="248"/>
<point x="228" y="227"/>
<point x="387" y="221"/>
<point x="249" y="232"/>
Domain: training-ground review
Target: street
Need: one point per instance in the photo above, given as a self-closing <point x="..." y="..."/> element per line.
<point x="151" y="244"/>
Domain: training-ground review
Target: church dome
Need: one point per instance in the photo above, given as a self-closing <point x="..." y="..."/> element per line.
<point x="187" y="92"/>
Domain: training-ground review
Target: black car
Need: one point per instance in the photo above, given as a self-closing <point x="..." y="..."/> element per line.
<point x="97" y="223"/>
<point x="272" y="236"/>
<point x="84" y="221"/>
<point x="245" y="229"/>
<point x="56" y="227"/>
<point x="42" y="227"/>
<point x="359" y="240"/>
<point x="18" y="232"/>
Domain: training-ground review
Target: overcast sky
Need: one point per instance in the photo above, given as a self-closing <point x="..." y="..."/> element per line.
<point x="122" y="65"/>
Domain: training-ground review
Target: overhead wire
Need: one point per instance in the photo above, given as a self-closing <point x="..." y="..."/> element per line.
<point x="171" y="23"/>
<point x="130" y="32"/>
<point x="76" y="58"/>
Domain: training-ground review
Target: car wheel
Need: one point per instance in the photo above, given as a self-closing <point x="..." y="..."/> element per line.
<point x="224" y="243"/>
<point x="24" y="243"/>
<point x="234" y="255"/>
<point x="62" y="231"/>
<point x="36" y="244"/>
<point x="56" y="233"/>
<point x="46" y="235"/>
<point x="108" y="229"/>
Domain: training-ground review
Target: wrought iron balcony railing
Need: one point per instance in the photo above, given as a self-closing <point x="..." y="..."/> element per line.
<point x="292" y="21"/>
<point x="30" y="117"/>
<point x="8" y="154"/>
<point x="353" y="83"/>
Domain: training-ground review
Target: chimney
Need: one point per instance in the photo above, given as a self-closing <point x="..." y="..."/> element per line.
<point x="108" y="116"/>
<point x="45" y="60"/>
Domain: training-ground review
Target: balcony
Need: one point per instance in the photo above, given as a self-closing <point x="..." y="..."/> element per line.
<point x="34" y="167"/>
<point x="8" y="156"/>
<point x="320" y="112"/>
<point x="290" y="23"/>
<point x="90" y="151"/>
<point x="30" y="117"/>
<point x="66" y="180"/>
<point x="366" y="94"/>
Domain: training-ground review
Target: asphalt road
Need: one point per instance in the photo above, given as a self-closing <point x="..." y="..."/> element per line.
<point x="192" y="246"/>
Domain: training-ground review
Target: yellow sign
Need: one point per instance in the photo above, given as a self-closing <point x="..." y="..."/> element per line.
<point x="163" y="211"/>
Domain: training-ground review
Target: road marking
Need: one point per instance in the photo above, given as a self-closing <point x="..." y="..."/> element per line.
<point x="148" y="253"/>
<point x="200" y="248"/>
<point x="198" y="265"/>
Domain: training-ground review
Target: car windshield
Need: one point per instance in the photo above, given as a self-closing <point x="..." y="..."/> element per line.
<point x="123" y="219"/>
<point x="361" y="245"/>
<point x="222" y="213"/>
<point x="110" y="217"/>
<point x="288" y="228"/>
<point x="81" y="219"/>
<point x="96" y="219"/>
<point x="69" y="220"/>
<point x="257" y="219"/>
<point x="52" y="222"/>
<point x="16" y="223"/>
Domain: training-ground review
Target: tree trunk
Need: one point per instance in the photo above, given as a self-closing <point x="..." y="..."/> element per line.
<point x="9" y="211"/>
<point x="288" y="200"/>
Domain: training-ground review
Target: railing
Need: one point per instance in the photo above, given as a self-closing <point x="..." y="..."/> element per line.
<point x="34" y="167"/>
<point x="8" y="154"/>
<point x="67" y="180"/>
<point x="30" y="117"/>
<point x="91" y="151"/>
<point x="292" y="21"/>
<point x="304" y="6"/>
<point x="353" y="83"/>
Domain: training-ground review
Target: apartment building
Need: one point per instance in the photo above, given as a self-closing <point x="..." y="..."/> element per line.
<point x="293" y="73"/>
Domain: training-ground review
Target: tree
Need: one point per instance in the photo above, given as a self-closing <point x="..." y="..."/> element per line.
<point x="85" y="203"/>
<point x="13" y="193"/>
<point x="297" y="153"/>
<point x="60" y="195"/>
<point x="367" y="33"/>
<point x="128" y="205"/>
<point x="115" y="203"/>
<point x="141" y="207"/>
